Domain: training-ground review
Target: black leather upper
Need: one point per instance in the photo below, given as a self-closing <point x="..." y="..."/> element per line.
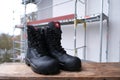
<point x="37" y="54"/>
<point x="53" y="39"/>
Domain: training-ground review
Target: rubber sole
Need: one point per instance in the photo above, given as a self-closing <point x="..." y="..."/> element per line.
<point x="65" y="68"/>
<point x="69" y="67"/>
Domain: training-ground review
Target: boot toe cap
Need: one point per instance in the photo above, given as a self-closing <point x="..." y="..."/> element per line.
<point x="72" y="64"/>
<point x="46" y="67"/>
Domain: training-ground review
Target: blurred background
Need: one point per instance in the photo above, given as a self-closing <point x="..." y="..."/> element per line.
<point x="11" y="14"/>
<point x="12" y="35"/>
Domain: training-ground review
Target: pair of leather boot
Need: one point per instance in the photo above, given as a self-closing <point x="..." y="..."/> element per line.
<point x="45" y="54"/>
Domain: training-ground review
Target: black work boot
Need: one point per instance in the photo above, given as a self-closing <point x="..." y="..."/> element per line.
<point x="53" y="39"/>
<point x="37" y="56"/>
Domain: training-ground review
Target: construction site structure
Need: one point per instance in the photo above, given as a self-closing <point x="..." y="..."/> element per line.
<point x="70" y="19"/>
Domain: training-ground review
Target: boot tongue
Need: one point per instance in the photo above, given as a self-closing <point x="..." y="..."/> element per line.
<point x="55" y="26"/>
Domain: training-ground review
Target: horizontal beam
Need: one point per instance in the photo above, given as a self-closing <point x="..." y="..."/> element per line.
<point x="60" y="18"/>
<point x="65" y="20"/>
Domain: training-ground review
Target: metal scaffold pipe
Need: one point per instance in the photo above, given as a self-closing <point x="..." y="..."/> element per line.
<point x="75" y="27"/>
<point x="76" y="21"/>
<point x="101" y="30"/>
<point x="84" y="52"/>
<point x="85" y="7"/>
<point x="107" y="36"/>
<point x="25" y="28"/>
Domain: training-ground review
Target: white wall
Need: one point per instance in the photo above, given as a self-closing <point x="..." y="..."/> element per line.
<point x="114" y="39"/>
<point x="93" y="43"/>
<point x="44" y="11"/>
<point x="66" y="8"/>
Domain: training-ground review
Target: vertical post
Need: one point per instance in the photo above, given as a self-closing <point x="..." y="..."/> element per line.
<point x="101" y="30"/>
<point x="107" y="55"/>
<point x="84" y="40"/>
<point x="85" y="31"/>
<point x="85" y="7"/>
<point x="25" y="28"/>
<point x="13" y="44"/>
<point x="107" y="37"/>
<point x="13" y="55"/>
<point x="75" y="27"/>
<point x="22" y="42"/>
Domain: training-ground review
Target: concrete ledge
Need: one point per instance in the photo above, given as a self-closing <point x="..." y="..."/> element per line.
<point x="90" y="71"/>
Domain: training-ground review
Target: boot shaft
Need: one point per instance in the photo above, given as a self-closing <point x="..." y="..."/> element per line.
<point x="53" y="36"/>
<point x="36" y="39"/>
<point x="37" y="57"/>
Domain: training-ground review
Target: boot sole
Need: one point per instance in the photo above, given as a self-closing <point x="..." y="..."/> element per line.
<point x="71" y="69"/>
<point x="47" y="72"/>
<point x="68" y="68"/>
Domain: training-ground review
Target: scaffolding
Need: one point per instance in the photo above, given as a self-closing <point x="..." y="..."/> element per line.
<point x="23" y="41"/>
<point x="73" y="19"/>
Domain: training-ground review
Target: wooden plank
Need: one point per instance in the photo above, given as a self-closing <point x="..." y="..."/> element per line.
<point x="90" y="71"/>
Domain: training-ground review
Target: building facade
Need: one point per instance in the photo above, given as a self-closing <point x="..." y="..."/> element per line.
<point x="111" y="8"/>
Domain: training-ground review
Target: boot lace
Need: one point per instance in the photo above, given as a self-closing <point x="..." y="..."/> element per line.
<point x="35" y="40"/>
<point x="54" y="40"/>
